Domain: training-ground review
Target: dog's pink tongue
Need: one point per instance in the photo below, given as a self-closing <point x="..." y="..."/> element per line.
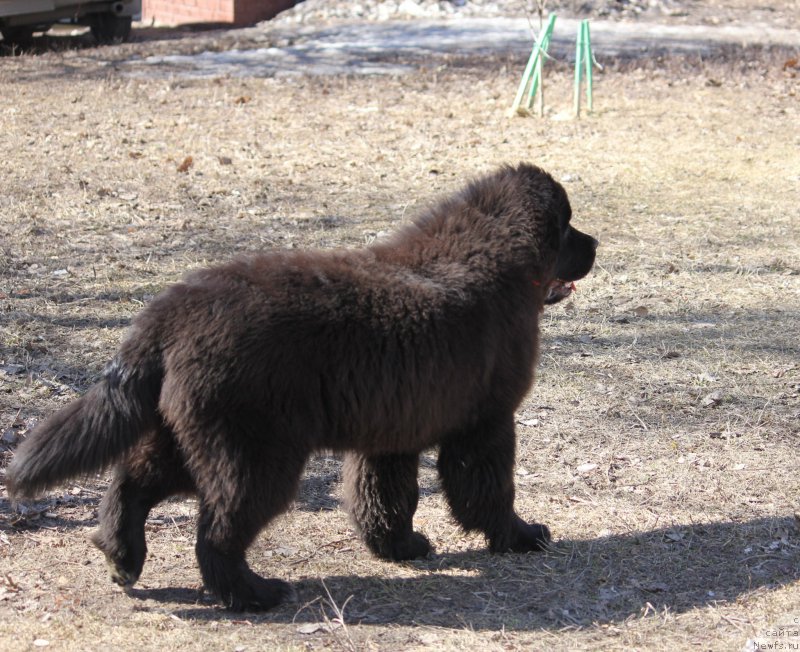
<point x="560" y="289"/>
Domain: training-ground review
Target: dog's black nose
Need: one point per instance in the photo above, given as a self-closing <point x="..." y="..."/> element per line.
<point x="595" y="243"/>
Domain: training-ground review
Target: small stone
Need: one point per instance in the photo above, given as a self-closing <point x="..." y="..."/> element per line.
<point x="712" y="400"/>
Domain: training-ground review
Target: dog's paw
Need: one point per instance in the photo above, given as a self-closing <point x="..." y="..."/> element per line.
<point x="524" y="537"/>
<point x="124" y="569"/>
<point x="531" y="537"/>
<point x="257" y="594"/>
<point x="414" y="547"/>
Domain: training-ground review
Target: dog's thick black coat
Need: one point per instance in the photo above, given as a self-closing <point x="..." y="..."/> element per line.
<point x="229" y="380"/>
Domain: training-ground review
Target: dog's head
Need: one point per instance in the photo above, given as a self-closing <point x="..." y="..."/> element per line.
<point x="576" y="250"/>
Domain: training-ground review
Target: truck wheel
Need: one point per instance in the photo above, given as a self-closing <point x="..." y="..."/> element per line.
<point x="110" y="28"/>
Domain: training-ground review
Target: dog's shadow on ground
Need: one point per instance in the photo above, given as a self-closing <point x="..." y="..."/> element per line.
<point x="577" y="583"/>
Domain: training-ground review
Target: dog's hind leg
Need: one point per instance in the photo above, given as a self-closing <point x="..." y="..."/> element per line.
<point x="477" y="471"/>
<point x="152" y="471"/>
<point x="382" y="496"/>
<point x="243" y="483"/>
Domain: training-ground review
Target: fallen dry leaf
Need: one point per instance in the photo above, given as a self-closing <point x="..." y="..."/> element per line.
<point x="187" y="163"/>
<point x="312" y="628"/>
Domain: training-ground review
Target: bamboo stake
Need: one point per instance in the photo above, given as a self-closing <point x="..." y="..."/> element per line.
<point x="532" y="77"/>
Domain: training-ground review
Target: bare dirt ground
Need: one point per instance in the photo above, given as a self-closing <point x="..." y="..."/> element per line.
<point x="660" y="442"/>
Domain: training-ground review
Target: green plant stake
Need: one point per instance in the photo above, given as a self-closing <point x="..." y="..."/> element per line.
<point x="533" y="71"/>
<point x="588" y="58"/>
<point x="584" y="59"/>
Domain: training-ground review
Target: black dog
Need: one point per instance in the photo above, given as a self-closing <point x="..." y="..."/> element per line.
<point x="228" y="381"/>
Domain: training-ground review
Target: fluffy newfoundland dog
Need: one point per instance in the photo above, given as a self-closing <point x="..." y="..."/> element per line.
<point x="229" y="380"/>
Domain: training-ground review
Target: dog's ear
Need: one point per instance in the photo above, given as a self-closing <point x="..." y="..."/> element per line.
<point x="560" y="215"/>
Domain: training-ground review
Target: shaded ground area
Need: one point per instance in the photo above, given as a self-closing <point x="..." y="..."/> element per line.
<point x="329" y="37"/>
<point x="373" y="48"/>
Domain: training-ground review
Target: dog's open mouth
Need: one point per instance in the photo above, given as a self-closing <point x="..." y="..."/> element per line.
<point x="558" y="290"/>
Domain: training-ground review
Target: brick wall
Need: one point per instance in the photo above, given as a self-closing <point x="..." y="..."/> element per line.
<point x="237" y="12"/>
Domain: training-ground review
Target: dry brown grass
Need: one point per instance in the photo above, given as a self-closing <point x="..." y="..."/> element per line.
<point x="659" y="443"/>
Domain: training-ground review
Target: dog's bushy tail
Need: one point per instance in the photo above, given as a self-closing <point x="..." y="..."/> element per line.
<point x="93" y="431"/>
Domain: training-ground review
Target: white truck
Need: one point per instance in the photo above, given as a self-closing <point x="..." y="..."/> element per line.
<point x="109" y="20"/>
